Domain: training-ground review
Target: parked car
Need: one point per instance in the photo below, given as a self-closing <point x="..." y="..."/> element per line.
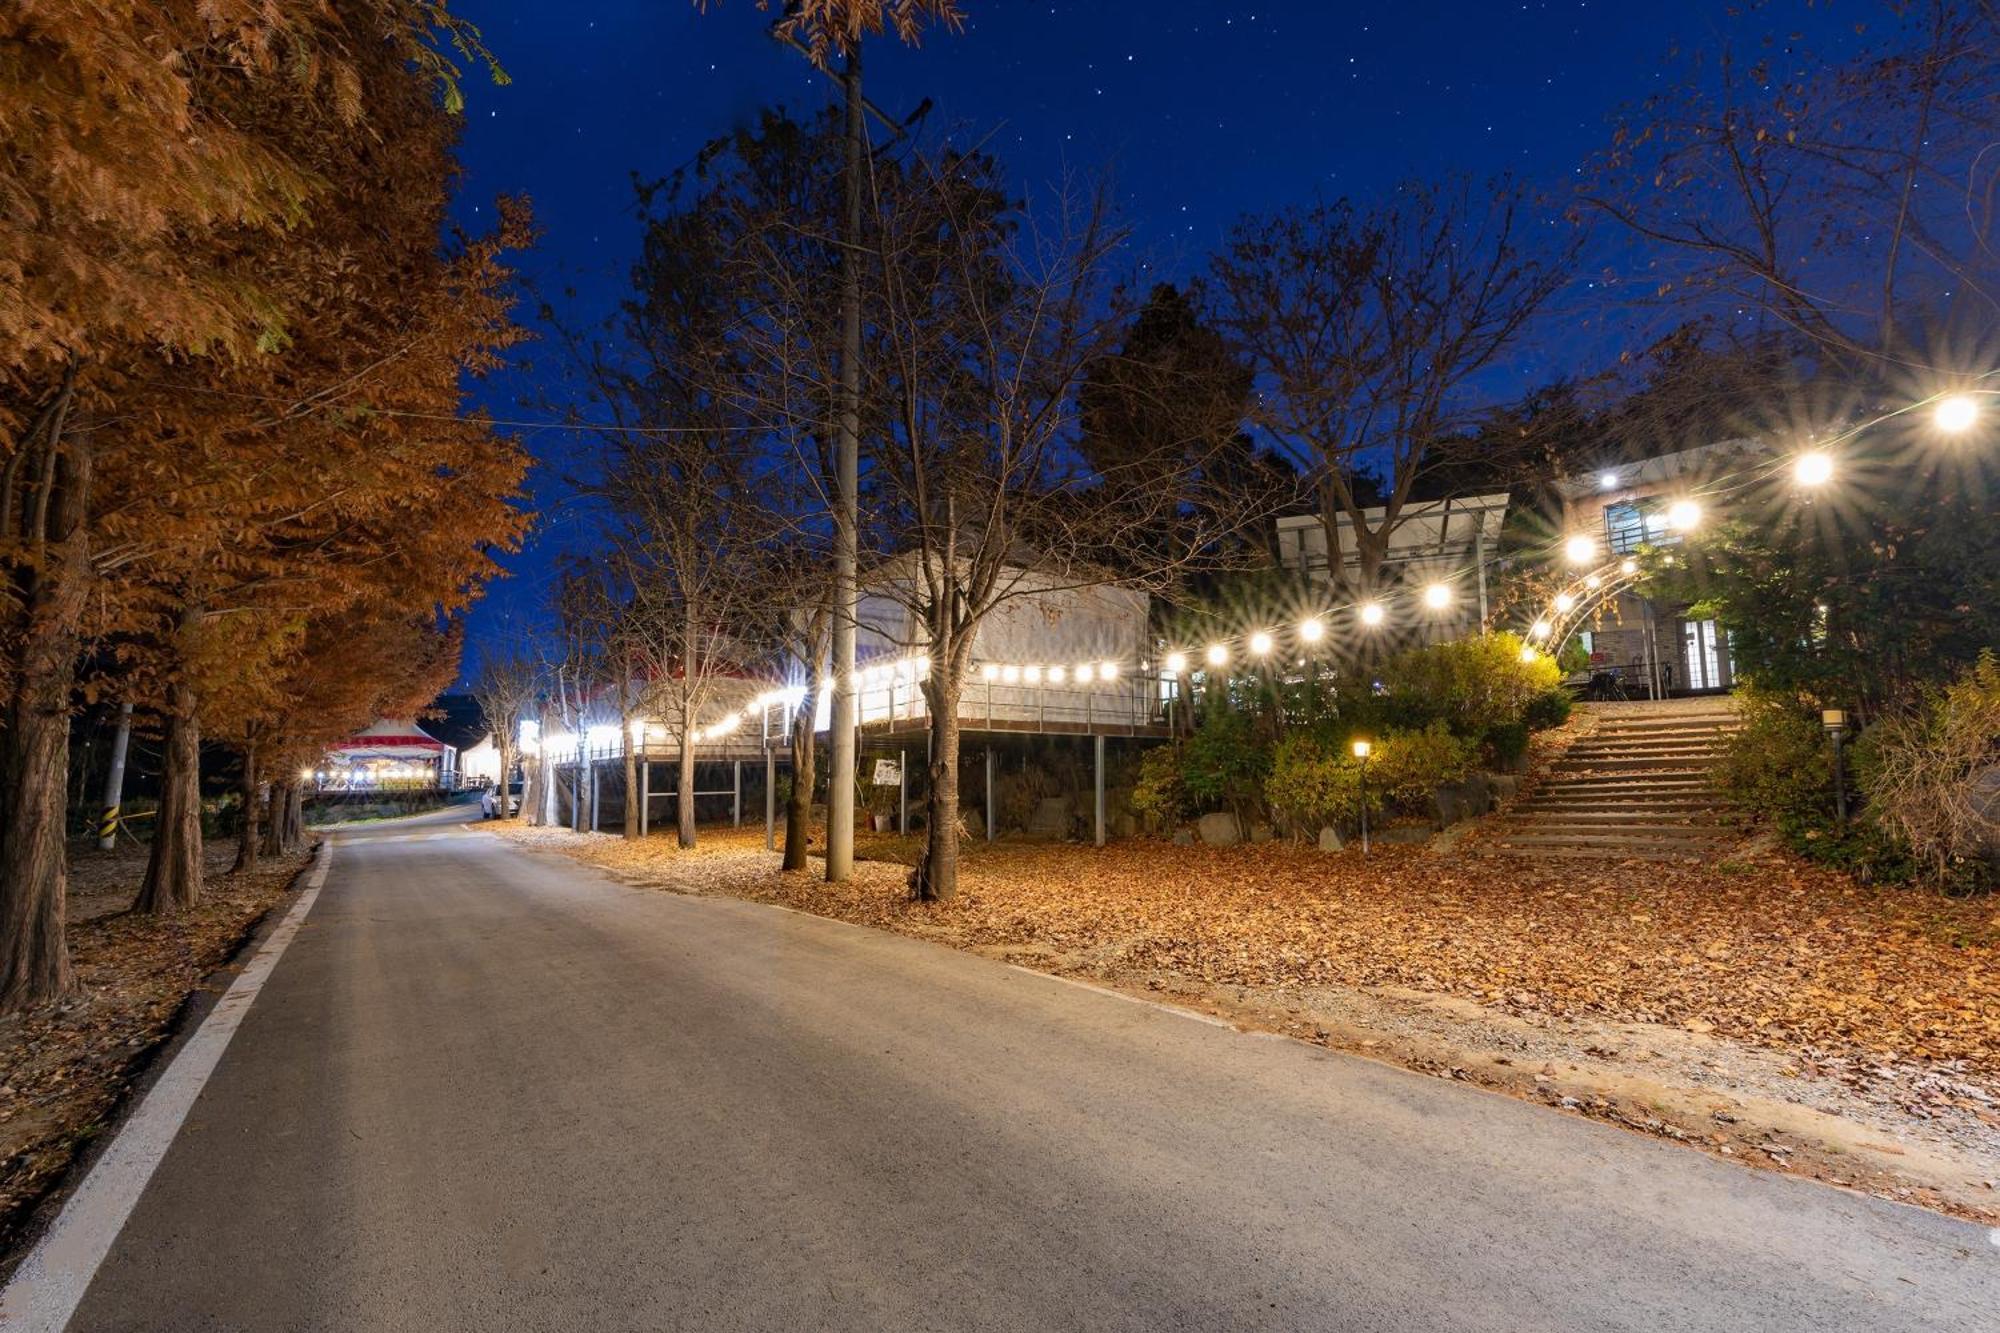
<point x="489" y="801"/>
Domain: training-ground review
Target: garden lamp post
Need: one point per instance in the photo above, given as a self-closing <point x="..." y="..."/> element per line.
<point x="1362" y="749"/>
<point x="1835" y="722"/>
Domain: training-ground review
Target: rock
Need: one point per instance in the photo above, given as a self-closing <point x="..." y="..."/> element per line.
<point x="1124" y="824"/>
<point x="1401" y="833"/>
<point x="1220" y="829"/>
<point x="973" y="822"/>
<point x="1329" y="839"/>
<point x="1183" y="837"/>
<point x="1260" y="833"/>
<point x="1051" y="818"/>
<point x="1505" y="786"/>
<point x="1447" y="806"/>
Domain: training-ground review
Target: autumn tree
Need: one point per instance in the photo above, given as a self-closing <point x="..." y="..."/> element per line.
<point x="506" y="687"/>
<point x="1844" y="199"/>
<point x="1368" y="327"/>
<point x="162" y="165"/>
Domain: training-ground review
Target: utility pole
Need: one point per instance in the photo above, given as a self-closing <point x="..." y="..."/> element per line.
<point x="114" y="780"/>
<point x="847" y="485"/>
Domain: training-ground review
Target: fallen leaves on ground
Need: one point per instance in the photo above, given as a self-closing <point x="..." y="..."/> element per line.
<point x="63" y="1067"/>
<point x="1770" y="952"/>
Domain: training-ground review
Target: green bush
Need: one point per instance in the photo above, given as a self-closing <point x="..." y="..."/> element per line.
<point x="1408" y="766"/>
<point x="1861" y="847"/>
<point x="1158" y="794"/>
<point x="1222" y="765"/>
<point x="1472" y="684"/>
<point x="1550" y="708"/>
<point x="1507" y="744"/>
<point x="1779" y="763"/>
<point x="1312" y="785"/>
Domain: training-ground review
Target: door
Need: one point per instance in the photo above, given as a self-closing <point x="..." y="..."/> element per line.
<point x="1705" y="654"/>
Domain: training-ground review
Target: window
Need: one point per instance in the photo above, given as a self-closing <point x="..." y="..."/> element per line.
<point x="1628" y="525"/>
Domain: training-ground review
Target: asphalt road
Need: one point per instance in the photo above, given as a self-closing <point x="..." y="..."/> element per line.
<point x="487" y="1090"/>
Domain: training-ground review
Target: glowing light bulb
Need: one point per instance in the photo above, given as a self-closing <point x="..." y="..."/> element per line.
<point x="1955" y="415"/>
<point x="1010" y="673"/>
<point x="1607" y="481"/>
<point x="1218" y="654"/>
<point x="1593" y="582"/>
<point x="1628" y="567"/>
<point x="1311" y="630"/>
<point x="1362" y="749"/>
<point x="1176" y="664"/>
<point x="1032" y="674"/>
<point x="1540" y="629"/>
<point x="1527" y="653"/>
<point x="1085" y="673"/>
<point x="990" y="672"/>
<point x="1109" y="670"/>
<point x="1564" y="601"/>
<point x="1812" y="469"/>
<point x="1683" y="515"/>
<point x="1260" y="643"/>
<point x="1437" y="597"/>
<point x="1057" y="675"/>
<point x="1371" y="613"/>
<point x="1580" y="550"/>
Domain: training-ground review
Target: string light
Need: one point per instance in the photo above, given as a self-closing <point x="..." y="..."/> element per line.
<point x="1580" y="549"/>
<point x="1032" y="675"/>
<point x="1564" y="601"/>
<point x="1593" y="582"/>
<point x="1541" y="629"/>
<point x="1312" y="629"/>
<point x="1628" y="567"/>
<point x="990" y="672"/>
<point x="1085" y="673"/>
<point x="1010" y="674"/>
<point x="1607" y="481"/>
<point x="1057" y="675"/>
<point x="1683" y="515"/>
<point x="1260" y="643"/>
<point x="1218" y="654"/>
<point x="1437" y="597"/>
<point x="1528" y="654"/>
<point x="1955" y="415"/>
<point x="1371" y="613"/>
<point x="1109" y="670"/>
<point x="1812" y="469"/>
<point x="1176" y="664"/>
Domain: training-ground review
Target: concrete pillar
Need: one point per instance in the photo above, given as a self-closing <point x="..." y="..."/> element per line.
<point x="593" y="798"/>
<point x="645" y="793"/>
<point x="989" y="793"/>
<point x="770" y="798"/>
<point x="903" y="792"/>
<point x="736" y="798"/>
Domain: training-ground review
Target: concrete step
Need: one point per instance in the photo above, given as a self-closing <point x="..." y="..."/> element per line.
<point x="1586" y="815"/>
<point x="1649" y="744"/>
<point x="1637" y="843"/>
<point x="1593" y="835"/>
<point x="1587" y="853"/>
<point x="1661" y="764"/>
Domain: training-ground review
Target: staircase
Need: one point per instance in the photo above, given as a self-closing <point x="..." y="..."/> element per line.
<point x="1636" y="786"/>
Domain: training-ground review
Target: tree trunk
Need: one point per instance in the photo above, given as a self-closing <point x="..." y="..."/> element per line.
<point x="247" y="837"/>
<point x="936" y="876"/>
<point x="805" y="774"/>
<point x="295" y="819"/>
<point x="173" y="868"/>
<point x="506" y="780"/>
<point x="48" y="597"/>
<point x="631" y="784"/>
<point x="277" y="805"/>
<point x="684" y="791"/>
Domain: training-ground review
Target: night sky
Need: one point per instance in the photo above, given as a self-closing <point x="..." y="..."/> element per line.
<point x="1200" y="111"/>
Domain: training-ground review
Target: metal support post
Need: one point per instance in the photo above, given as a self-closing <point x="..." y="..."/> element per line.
<point x="736" y="798"/>
<point x="770" y="798"/>
<point x="903" y="792"/>
<point x="645" y="794"/>
<point x="989" y="793"/>
<point x="1097" y="746"/>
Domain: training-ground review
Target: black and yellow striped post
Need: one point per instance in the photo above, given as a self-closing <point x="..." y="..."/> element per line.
<point x="107" y="826"/>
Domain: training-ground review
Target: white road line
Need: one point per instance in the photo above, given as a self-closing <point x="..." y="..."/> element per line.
<point x="1176" y="1010"/>
<point x="49" y="1284"/>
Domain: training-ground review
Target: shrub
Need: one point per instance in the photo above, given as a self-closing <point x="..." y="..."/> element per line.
<point x="1472" y="684"/>
<point x="1550" y="708"/>
<point x="1409" y="765"/>
<point x="1158" y="794"/>
<point x="1779" y="763"/>
<point x="1222" y="764"/>
<point x="1928" y="774"/>
<point x="1507" y="744"/>
<point x="1311" y="786"/>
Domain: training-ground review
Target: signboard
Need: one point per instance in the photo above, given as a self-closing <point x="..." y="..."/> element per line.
<point x="888" y="773"/>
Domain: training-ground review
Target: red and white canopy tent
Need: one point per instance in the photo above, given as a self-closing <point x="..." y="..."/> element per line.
<point x="393" y="752"/>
